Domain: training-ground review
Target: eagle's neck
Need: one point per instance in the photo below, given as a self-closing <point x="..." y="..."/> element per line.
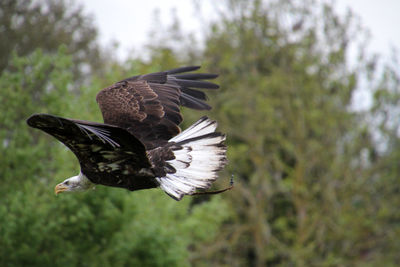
<point x="83" y="182"/>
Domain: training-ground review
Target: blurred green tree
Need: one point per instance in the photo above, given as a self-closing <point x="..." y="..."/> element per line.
<point x="28" y="25"/>
<point x="384" y="158"/>
<point x="300" y="151"/>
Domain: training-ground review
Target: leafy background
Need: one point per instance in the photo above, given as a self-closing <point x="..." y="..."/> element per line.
<point x="317" y="181"/>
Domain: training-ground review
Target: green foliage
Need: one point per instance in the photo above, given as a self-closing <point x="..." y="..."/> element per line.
<point x="38" y="83"/>
<point x="305" y="195"/>
<point x="47" y="24"/>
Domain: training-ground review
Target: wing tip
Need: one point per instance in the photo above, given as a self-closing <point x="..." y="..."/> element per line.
<point x="43" y="120"/>
<point x="183" y="69"/>
<point x="31" y="121"/>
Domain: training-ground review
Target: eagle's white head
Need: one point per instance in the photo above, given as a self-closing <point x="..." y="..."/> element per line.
<point x="76" y="183"/>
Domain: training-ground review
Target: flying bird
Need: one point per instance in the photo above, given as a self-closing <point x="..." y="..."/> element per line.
<point x="140" y="145"/>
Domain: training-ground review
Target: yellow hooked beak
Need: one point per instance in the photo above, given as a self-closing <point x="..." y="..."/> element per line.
<point x="60" y="188"/>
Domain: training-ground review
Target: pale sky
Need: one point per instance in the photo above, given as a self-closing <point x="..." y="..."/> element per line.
<point x="129" y="21"/>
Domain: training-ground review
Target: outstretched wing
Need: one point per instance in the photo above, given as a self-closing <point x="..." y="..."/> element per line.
<point x="148" y="106"/>
<point x="107" y="154"/>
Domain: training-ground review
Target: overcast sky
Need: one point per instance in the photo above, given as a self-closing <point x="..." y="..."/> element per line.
<point x="129" y="21"/>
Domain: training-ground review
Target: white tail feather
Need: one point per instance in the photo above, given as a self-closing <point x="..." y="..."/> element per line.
<point x="200" y="155"/>
<point x="201" y="127"/>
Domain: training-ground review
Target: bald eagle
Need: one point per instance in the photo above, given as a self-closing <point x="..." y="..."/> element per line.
<point x="140" y="145"/>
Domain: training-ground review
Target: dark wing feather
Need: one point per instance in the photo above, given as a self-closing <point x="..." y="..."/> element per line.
<point x="107" y="154"/>
<point x="148" y="106"/>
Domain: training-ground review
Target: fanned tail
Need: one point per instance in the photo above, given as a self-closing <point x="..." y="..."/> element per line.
<point x="199" y="154"/>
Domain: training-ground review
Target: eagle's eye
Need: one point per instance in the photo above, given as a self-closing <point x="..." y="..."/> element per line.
<point x="67" y="183"/>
